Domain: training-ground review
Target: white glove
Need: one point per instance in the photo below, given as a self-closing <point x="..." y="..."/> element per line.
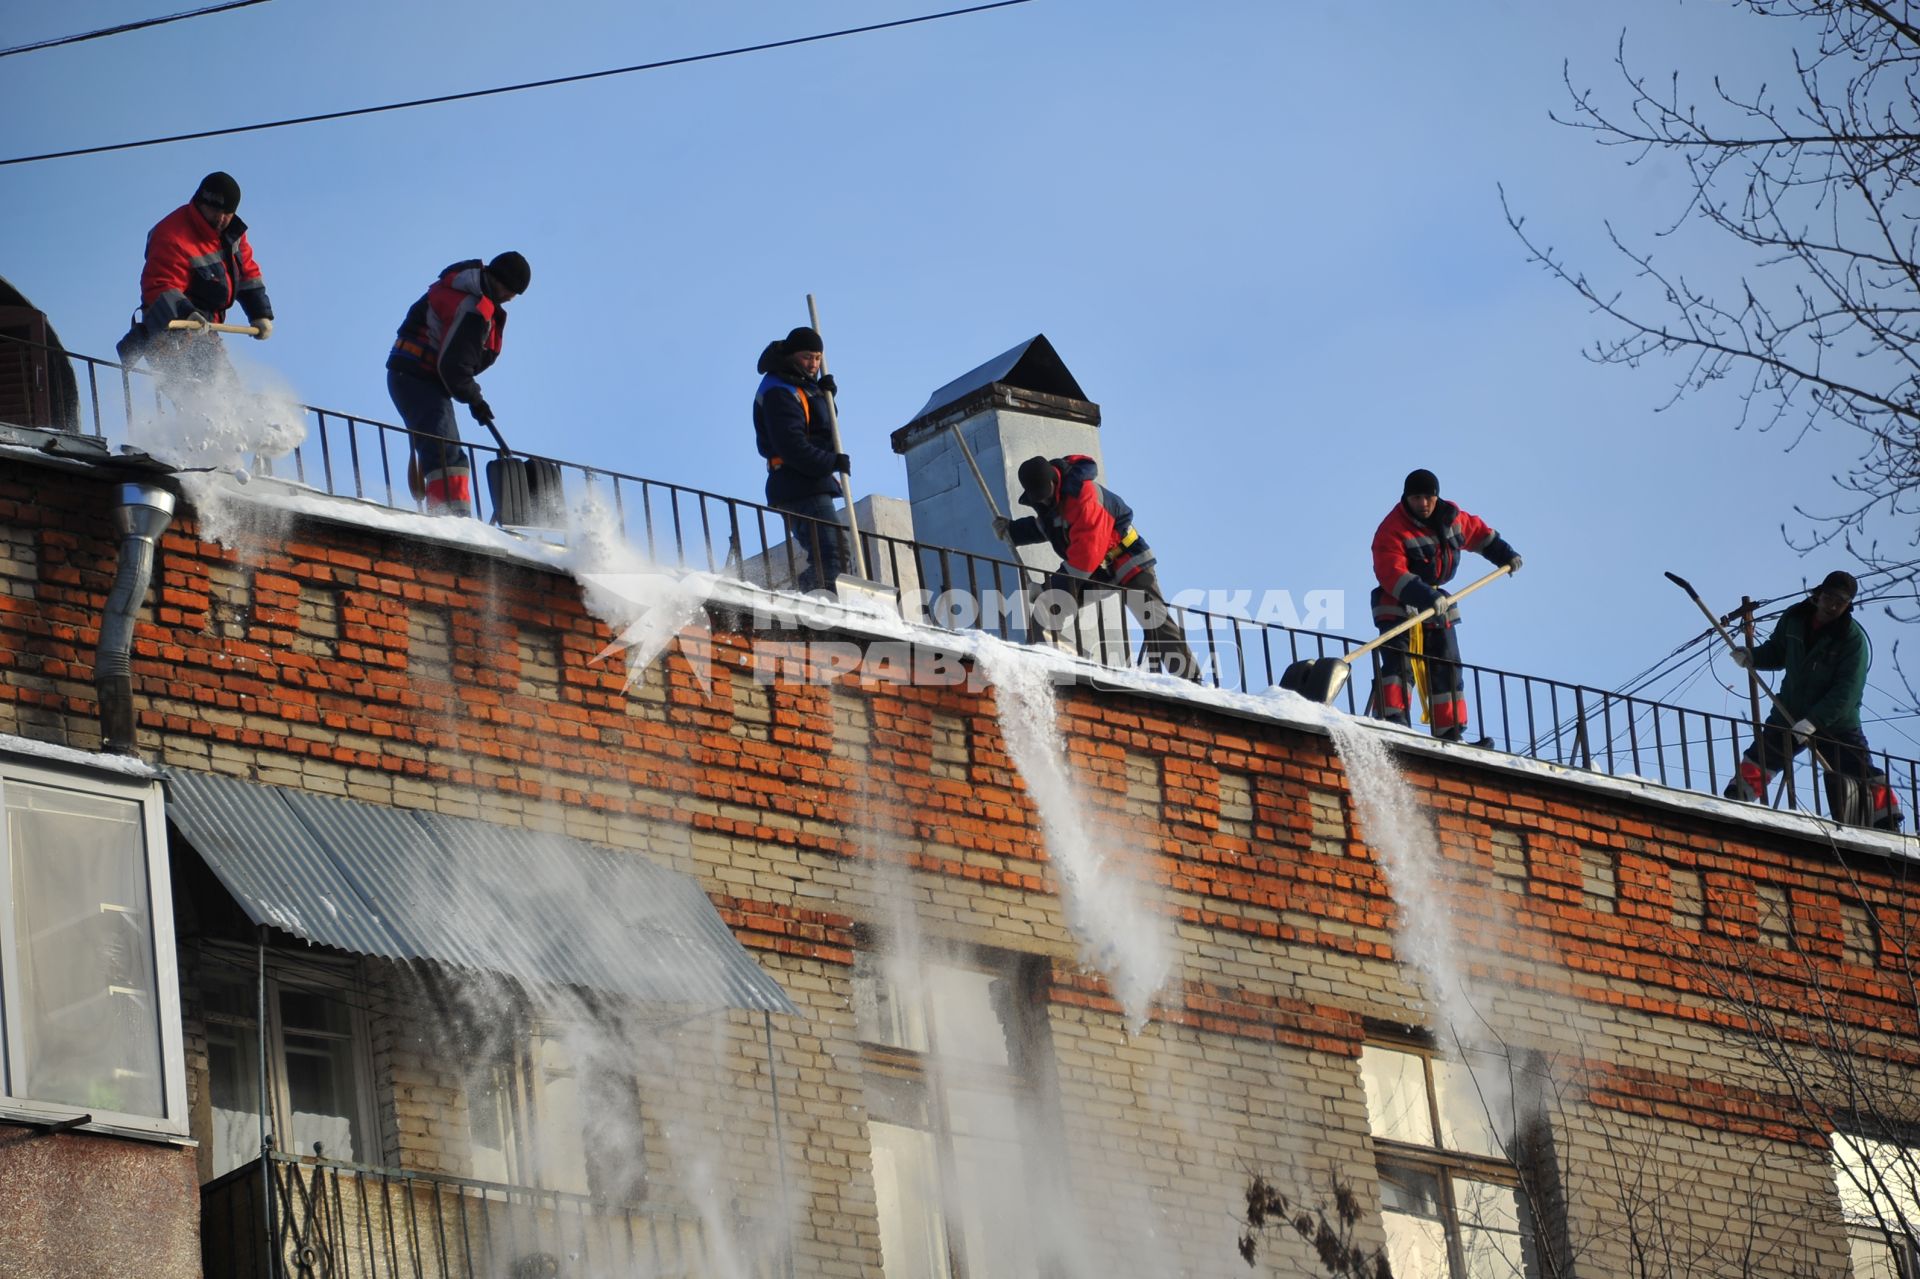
<point x="1000" y="525"/>
<point x="1803" y="729"/>
<point x="1741" y="656"/>
<point x="263" y="329"/>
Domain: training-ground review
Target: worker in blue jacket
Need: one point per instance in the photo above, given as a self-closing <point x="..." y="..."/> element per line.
<point x="794" y="434"/>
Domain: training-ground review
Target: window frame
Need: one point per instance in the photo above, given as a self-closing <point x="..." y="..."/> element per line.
<point x="338" y="980"/>
<point x="520" y="1076"/>
<point x="927" y="1077"/>
<point x="1445" y="1164"/>
<point x="150" y="798"/>
<point x="1878" y="1231"/>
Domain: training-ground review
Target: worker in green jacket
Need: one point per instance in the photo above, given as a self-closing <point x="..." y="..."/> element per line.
<point x="1825" y="655"/>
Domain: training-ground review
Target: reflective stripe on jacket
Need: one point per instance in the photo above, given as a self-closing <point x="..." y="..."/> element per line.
<point x="1089" y="524"/>
<point x="791" y="430"/>
<point x="452" y="334"/>
<point x="192" y="267"/>
<point x="1412" y="558"/>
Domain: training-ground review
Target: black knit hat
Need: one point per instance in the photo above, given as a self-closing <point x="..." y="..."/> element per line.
<point x="1421" y="483"/>
<point x="219" y="191"/>
<point x="804" y="339"/>
<point x="1037" y="481"/>
<point x="1840" y="582"/>
<point x="512" y="271"/>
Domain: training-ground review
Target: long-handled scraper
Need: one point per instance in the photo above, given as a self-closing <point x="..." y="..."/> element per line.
<point x="1026" y="591"/>
<point x="1778" y="705"/>
<point x="855" y="588"/>
<point x="1319" y="679"/>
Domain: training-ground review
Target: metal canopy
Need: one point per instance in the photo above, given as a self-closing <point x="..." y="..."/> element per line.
<point x="1032" y="366"/>
<point x="546" y="908"/>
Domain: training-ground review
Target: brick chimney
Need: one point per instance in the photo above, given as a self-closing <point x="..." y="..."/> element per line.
<point x="1020" y="403"/>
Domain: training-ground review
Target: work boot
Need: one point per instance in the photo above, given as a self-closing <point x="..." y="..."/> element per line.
<point x="1749" y="783"/>
<point x="1454" y="734"/>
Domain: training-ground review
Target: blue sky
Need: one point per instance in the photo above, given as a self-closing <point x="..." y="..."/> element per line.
<point x="1265" y="235"/>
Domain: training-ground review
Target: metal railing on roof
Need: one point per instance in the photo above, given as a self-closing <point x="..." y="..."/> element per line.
<point x="1571" y="725"/>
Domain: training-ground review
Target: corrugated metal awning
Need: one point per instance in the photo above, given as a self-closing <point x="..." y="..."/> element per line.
<point x="546" y="908"/>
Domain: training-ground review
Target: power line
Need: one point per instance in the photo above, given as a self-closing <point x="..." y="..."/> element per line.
<point x="125" y="27"/>
<point x="516" y="88"/>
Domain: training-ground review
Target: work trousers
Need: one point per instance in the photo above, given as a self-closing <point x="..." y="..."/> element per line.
<point x="1394" y="691"/>
<point x="427" y="411"/>
<point x="815" y="530"/>
<point x="1857" y="792"/>
<point x="193" y="369"/>
<point x="1163" y="637"/>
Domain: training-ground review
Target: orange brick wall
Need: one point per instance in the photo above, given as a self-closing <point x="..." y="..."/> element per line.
<point x="423" y="676"/>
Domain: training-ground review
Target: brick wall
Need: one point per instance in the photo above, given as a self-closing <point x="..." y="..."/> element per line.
<point x="1607" y="937"/>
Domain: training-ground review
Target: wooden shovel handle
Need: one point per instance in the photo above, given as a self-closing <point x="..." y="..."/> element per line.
<point x="251" y="330"/>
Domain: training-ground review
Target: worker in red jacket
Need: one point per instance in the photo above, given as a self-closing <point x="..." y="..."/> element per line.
<point x="451" y="335"/>
<point x="1416" y="551"/>
<point x="1092" y="528"/>
<point x="199" y="264"/>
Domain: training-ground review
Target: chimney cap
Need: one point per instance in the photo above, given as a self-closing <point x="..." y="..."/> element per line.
<point x="1033" y="367"/>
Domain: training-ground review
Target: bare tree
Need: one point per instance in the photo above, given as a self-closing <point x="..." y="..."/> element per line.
<point x="1814" y="187"/>
<point x="1825" y="1022"/>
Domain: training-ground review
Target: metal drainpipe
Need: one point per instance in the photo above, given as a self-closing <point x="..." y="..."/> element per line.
<point x="141" y="516"/>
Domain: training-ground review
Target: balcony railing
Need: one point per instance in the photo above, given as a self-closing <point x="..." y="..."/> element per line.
<point x="331" y="1220"/>
<point x="1572" y="725"/>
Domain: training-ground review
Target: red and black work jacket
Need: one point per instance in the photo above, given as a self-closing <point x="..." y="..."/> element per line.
<point x="191" y="267"/>
<point x="452" y="334"/>
<point x="1088" y="524"/>
<point x="1413" y="557"/>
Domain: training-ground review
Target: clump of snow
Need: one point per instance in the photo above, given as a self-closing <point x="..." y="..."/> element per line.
<point x="646" y="607"/>
<point x="1401" y="834"/>
<point x="214" y="428"/>
<point x="1121" y="935"/>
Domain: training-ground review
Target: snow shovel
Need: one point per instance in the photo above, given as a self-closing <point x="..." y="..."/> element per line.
<point x="525" y="490"/>
<point x="855" y="589"/>
<point x="1778" y="705"/>
<point x="251" y="330"/>
<point x="1026" y="587"/>
<point x="1319" y="679"/>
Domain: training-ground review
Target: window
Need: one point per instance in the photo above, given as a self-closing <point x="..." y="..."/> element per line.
<point x="1879" y="1185"/>
<point x="317" y="1069"/>
<point x="949" y="1096"/>
<point x="89" y="1001"/>
<point x="558" y="1117"/>
<point x="1449" y="1200"/>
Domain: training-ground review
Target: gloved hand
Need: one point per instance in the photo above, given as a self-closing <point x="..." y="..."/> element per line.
<point x="481" y="410"/>
<point x="1741" y="656"/>
<point x="842" y="464"/>
<point x="1001" y="525"/>
<point x="263" y="328"/>
<point x="196" y="321"/>
<point x="1417" y="595"/>
<point x="1062" y="580"/>
<point x="1513" y="565"/>
<point x="1804" y="729"/>
<point x="828" y="385"/>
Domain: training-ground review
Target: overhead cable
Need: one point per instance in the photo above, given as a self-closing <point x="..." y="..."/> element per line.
<point x="125" y="27"/>
<point x="516" y="88"/>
